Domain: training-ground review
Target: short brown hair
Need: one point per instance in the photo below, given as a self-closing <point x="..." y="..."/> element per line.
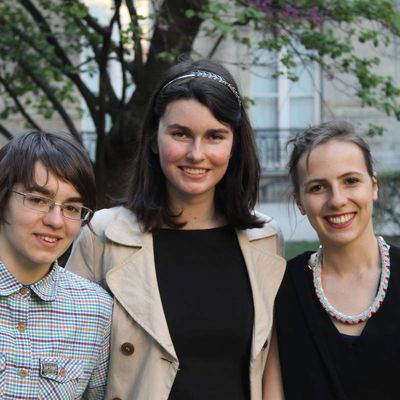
<point x="305" y="142"/>
<point x="60" y="154"/>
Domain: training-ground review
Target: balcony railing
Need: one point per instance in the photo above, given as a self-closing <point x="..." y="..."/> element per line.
<point x="271" y="146"/>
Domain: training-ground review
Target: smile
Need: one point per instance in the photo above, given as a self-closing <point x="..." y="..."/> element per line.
<point x="340" y="219"/>
<point x="194" y="171"/>
<point x="48" y="239"/>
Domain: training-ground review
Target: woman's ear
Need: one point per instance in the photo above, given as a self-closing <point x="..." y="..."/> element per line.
<point x="375" y="188"/>
<point x="298" y="204"/>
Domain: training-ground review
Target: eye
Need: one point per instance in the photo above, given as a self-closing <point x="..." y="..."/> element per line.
<point x="37" y="200"/>
<point x="72" y="209"/>
<point x="215" y="136"/>
<point x="179" y="134"/>
<point x="352" y="180"/>
<point x="316" y="188"/>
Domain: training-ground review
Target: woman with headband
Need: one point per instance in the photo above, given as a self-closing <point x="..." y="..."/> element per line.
<point x="192" y="268"/>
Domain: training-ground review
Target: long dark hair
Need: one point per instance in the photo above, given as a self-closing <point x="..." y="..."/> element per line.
<point x="236" y="194"/>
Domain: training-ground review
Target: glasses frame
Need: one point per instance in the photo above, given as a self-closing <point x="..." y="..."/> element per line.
<point x="52" y="204"/>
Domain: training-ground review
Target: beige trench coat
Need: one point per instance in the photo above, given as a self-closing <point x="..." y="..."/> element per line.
<point x="143" y="362"/>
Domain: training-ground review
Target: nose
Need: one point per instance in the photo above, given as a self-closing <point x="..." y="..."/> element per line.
<point x="196" y="151"/>
<point x="54" y="217"/>
<point x="337" y="198"/>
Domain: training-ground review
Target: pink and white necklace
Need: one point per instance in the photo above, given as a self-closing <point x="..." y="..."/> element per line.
<point x="374" y="307"/>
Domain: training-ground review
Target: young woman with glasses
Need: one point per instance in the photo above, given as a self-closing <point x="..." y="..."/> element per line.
<point x="55" y="326"/>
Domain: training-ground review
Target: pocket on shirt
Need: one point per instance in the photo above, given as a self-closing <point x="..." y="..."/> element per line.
<point x="61" y="376"/>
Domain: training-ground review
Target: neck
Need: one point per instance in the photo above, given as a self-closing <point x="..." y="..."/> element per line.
<point x="198" y="215"/>
<point x="25" y="276"/>
<point x="351" y="258"/>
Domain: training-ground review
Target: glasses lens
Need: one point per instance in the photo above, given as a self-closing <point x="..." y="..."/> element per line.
<point x="73" y="211"/>
<point x="38" y="203"/>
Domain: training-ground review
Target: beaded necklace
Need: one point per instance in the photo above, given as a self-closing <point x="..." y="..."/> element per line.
<point x="374" y="307"/>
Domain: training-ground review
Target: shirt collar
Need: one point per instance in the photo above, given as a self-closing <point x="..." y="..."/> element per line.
<point x="45" y="289"/>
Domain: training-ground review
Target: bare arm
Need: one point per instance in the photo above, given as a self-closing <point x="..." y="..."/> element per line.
<point x="272" y="379"/>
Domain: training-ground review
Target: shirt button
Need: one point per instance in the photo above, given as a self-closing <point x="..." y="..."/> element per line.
<point x="23" y="291"/>
<point x="63" y="373"/>
<point x="23" y="373"/>
<point x="21" y="327"/>
<point x="128" y="349"/>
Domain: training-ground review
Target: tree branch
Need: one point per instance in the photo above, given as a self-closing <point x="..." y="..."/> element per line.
<point x="49" y="92"/>
<point x="5" y="132"/>
<point x="61" y="54"/>
<point x="136" y="38"/>
<point x="20" y="107"/>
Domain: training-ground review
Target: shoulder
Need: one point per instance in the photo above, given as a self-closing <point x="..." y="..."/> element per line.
<point x="84" y="291"/>
<point x="268" y="237"/>
<point x="395" y="253"/>
<point x="118" y="225"/>
<point x="300" y="260"/>
<point x="296" y="274"/>
<point x="270" y="228"/>
<point x="104" y="217"/>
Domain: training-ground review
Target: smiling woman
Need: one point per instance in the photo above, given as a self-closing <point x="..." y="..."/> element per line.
<point x="337" y="314"/>
<point x="193" y="269"/>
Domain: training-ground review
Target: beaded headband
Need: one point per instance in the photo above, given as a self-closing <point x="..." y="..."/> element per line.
<point x="209" y="75"/>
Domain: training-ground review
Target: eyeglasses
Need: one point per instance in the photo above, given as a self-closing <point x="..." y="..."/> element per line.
<point x="44" y="204"/>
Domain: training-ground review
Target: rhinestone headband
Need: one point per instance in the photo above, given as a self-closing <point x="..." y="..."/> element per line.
<point x="209" y="75"/>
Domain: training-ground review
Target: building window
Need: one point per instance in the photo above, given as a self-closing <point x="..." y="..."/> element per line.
<point x="281" y="107"/>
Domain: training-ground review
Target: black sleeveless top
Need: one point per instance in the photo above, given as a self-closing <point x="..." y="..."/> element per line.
<point x="207" y="301"/>
<point x="317" y="362"/>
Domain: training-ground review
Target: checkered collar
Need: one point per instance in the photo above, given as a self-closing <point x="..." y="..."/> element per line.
<point x="45" y="289"/>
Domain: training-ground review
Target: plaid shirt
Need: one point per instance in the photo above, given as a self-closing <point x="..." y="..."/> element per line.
<point x="54" y="337"/>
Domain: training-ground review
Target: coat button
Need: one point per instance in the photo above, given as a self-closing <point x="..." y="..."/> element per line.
<point x="128" y="349"/>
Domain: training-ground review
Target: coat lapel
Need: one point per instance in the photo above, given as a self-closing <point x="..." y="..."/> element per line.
<point x="134" y="282"/>
<point x="265" y="272"/>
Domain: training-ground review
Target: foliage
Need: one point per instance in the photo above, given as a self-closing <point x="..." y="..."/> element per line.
<point x="332" y="33"/>
<point x="48" y="49"/>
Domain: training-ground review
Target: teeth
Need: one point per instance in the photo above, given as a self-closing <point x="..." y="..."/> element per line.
<point x="195" y="171"/>
<point x="48" y="239"/>
<point x="341" y="219"/>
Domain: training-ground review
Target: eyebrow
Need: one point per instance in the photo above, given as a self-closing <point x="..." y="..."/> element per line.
<point x="51" y="194"/>
<point x="212" y="130"/>
<point x="318" y="180"/>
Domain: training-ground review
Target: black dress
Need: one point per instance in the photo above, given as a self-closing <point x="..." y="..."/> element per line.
<point x="208" y="304"/>
<point x="317" y="362"/>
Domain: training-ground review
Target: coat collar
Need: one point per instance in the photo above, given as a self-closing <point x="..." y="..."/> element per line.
<point x="134" y="282"/>
<point x="124" y="229"/>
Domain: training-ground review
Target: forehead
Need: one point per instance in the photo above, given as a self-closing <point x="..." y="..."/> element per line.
<point x="331" y="159"/>
<point x="189" y="112"/>
<point x="47" y="179"/>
